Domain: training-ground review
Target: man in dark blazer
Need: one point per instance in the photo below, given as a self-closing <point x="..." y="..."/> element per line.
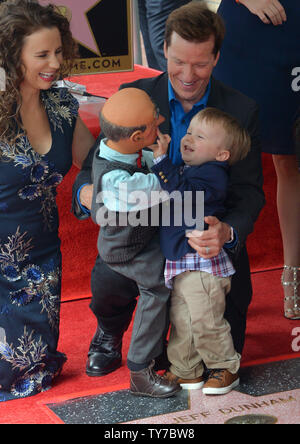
<point x="193" y="39"/>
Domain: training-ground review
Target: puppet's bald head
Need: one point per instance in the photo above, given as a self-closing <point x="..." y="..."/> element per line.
<point x="129" y="120"/>
<point x="129" y="107"/>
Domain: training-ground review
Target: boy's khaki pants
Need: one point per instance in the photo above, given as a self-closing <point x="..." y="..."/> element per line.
<point x="199" y="332"/>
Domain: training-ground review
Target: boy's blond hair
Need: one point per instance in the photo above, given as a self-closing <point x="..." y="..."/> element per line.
<point x="238" y="141"/>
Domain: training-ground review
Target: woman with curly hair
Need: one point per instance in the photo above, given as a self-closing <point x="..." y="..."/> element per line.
<point x="40" y="136"/>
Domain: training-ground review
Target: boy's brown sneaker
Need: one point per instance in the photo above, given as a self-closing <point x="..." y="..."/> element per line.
<point x="186" y="384"/>
<point x="220" y="382"/>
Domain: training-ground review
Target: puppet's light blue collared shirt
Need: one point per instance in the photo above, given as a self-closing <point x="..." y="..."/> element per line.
<point x="146" y="183"/>
<point x="138" y="186"/>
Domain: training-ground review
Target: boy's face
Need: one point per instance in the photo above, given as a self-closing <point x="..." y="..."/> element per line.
<point x="203" y="142"/>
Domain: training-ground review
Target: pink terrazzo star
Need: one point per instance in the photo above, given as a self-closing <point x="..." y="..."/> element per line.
<point x="79" y="23"/>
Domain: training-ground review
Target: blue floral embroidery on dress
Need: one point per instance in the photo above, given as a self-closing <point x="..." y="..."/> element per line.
<point x="21" y="153"/>
<point x="38" y="284"/>
<point x="39" y="171"/>
<point x="23" y="387"/>
<point x="45" y="191"/>
<point x="14" y="251"/>
<point x="43" y="183"/>
<point x="29" y="357"/>
<point x="61" y="107"/>
<point x="33" y="274"/>
<point x="11" y="272"/>
<point x="21" y="297"/>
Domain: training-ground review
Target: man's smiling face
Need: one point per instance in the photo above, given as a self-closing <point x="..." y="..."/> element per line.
<point x="190" y="66"/>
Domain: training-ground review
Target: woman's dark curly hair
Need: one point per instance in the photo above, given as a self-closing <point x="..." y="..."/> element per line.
<point x="19" y="19"/>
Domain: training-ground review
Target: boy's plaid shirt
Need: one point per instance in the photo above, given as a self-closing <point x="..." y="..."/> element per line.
<point x="219" y="265"/>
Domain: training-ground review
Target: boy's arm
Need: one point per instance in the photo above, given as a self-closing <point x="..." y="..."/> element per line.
<point x="171" y="178"/>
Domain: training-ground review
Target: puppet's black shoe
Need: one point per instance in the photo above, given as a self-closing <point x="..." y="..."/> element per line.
<point x="105" y="353"/>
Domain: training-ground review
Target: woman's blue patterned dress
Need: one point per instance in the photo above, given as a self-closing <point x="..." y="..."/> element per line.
<point x="30" y="257"/>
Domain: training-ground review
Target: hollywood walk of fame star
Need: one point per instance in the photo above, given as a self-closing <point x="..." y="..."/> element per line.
<point x="76" y="10"/>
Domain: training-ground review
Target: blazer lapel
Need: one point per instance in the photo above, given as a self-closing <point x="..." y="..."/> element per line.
<point x="214" y="99"/>
<point x="161" y="98"/>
